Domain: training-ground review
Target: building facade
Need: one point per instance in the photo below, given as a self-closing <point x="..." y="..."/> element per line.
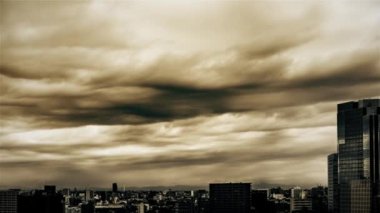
<point x="300" y="200"/>
<point x="41" y="201"/>
<point x="358" y="157"/>
<point x="8" y="201"/>
<point x="114" y="187"/>
<point x="230" y="197"/>
<point x="333" y="189"/>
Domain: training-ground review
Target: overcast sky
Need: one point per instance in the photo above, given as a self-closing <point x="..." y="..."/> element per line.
<point x="147" y="93"/>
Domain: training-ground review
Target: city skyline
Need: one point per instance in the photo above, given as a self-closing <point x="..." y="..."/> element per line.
<point x="164" y="94"/>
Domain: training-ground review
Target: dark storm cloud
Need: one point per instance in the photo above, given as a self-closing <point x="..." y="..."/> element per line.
<point x="183" y="101"/>
<point x="181" y="88"/>
<point x="195" y="92"/>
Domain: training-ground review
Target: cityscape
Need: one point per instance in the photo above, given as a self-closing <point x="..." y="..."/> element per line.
<point x="196" y="106"/>
<point x="225" y="197"/>
<point x="353" y="184"/>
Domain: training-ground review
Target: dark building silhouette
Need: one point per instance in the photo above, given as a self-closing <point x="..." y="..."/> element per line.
<point x="333" y="189"/>
<point x="88" y="207"/>
<point x="8" y="201"/>
<point x="319" y="199"/>
<point x="260" y="201"/>
<point x="184" y="206"/>
<point x="114" y="187"/>
<point x="50" y="189"/>
<point x="358" y="157"/>
<point x="41" y="201"/>
<point x="201" y="202"/>
<point x="103" y="195"/>
<point x="230" y="197"/>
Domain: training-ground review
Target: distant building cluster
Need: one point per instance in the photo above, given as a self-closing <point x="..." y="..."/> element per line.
<point x="220" y="198"/>
<point x="354" y="171"/>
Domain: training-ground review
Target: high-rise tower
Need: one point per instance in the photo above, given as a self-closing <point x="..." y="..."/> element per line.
<point x="114" y="188"/>
<point x="358" y="157"/>
<point x="333" y="190"/>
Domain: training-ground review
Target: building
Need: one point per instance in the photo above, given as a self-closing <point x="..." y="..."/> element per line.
<point x="300" y="205"/>
<point x="88" y="195"/>
<point x="88" y="207"/>
<point x="201" y="202"/>
<point x="41" y="201"/>
<point x="141" y="208"/>
<point x="357" y="158"/>
<point x="8" y="201"/>
<point x="319" y="199"/>
<point x="110" y="208"/>
<point x="50" y="189"/>
<point x="260" y="200"/>
<point x="230" y="197"/>
<point x="184" y="206"/>
<point x="300" y="200"/>
<point x="73" y="209"/>
<point x="360" y="195"/>
<point x="114" y="188"/>
<point x="333" y="189"/>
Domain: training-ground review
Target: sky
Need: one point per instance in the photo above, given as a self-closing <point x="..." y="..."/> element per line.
<point x="148" y="93"/>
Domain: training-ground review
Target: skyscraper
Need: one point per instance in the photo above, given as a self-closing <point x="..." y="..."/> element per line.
<point x="333" y="190"/>
<point x="114" y="187"/>
<point x="358" y="157"/>
<point x="230" y="197"/>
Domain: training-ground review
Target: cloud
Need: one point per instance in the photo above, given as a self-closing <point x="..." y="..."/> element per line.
<point x="179" y="93"/>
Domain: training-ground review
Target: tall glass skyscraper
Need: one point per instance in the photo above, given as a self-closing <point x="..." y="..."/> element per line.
<point x="333" y="190"/>
<point x="358" y="167"/>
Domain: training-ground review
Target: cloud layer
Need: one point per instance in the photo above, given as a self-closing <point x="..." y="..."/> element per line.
<point x="179" y="93"/>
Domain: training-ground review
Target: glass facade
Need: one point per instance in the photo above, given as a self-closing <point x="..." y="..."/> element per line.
<point x="358" y="157"/>
<point x="333" y="204"/>
<point x="360" y="196"/>
<point x="8" y="201"/>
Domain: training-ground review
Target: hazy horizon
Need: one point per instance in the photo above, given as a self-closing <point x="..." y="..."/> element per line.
<point x="169" y="93"/>
<point x="158" y="187"/>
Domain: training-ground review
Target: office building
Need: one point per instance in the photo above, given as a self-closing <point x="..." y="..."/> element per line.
<point x="8" y="201"/>
<point x="201" y="202"/>
<point x="88" y="207"/>
<point x="141" y="208"/>
<point x="88" y="195"/>
<point x="50" y="189"/>
<point x="260" y="200"/>
<point x="114" y="187"/>
<point x="300" y="200"/>
<point x="333" y="189"/>
<point x="230" y="197"/>
<point x="41" y="201"/>
<point x="358" y="158"/>
<point x="319" y="199"/>
<point x="184" y="206"/>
